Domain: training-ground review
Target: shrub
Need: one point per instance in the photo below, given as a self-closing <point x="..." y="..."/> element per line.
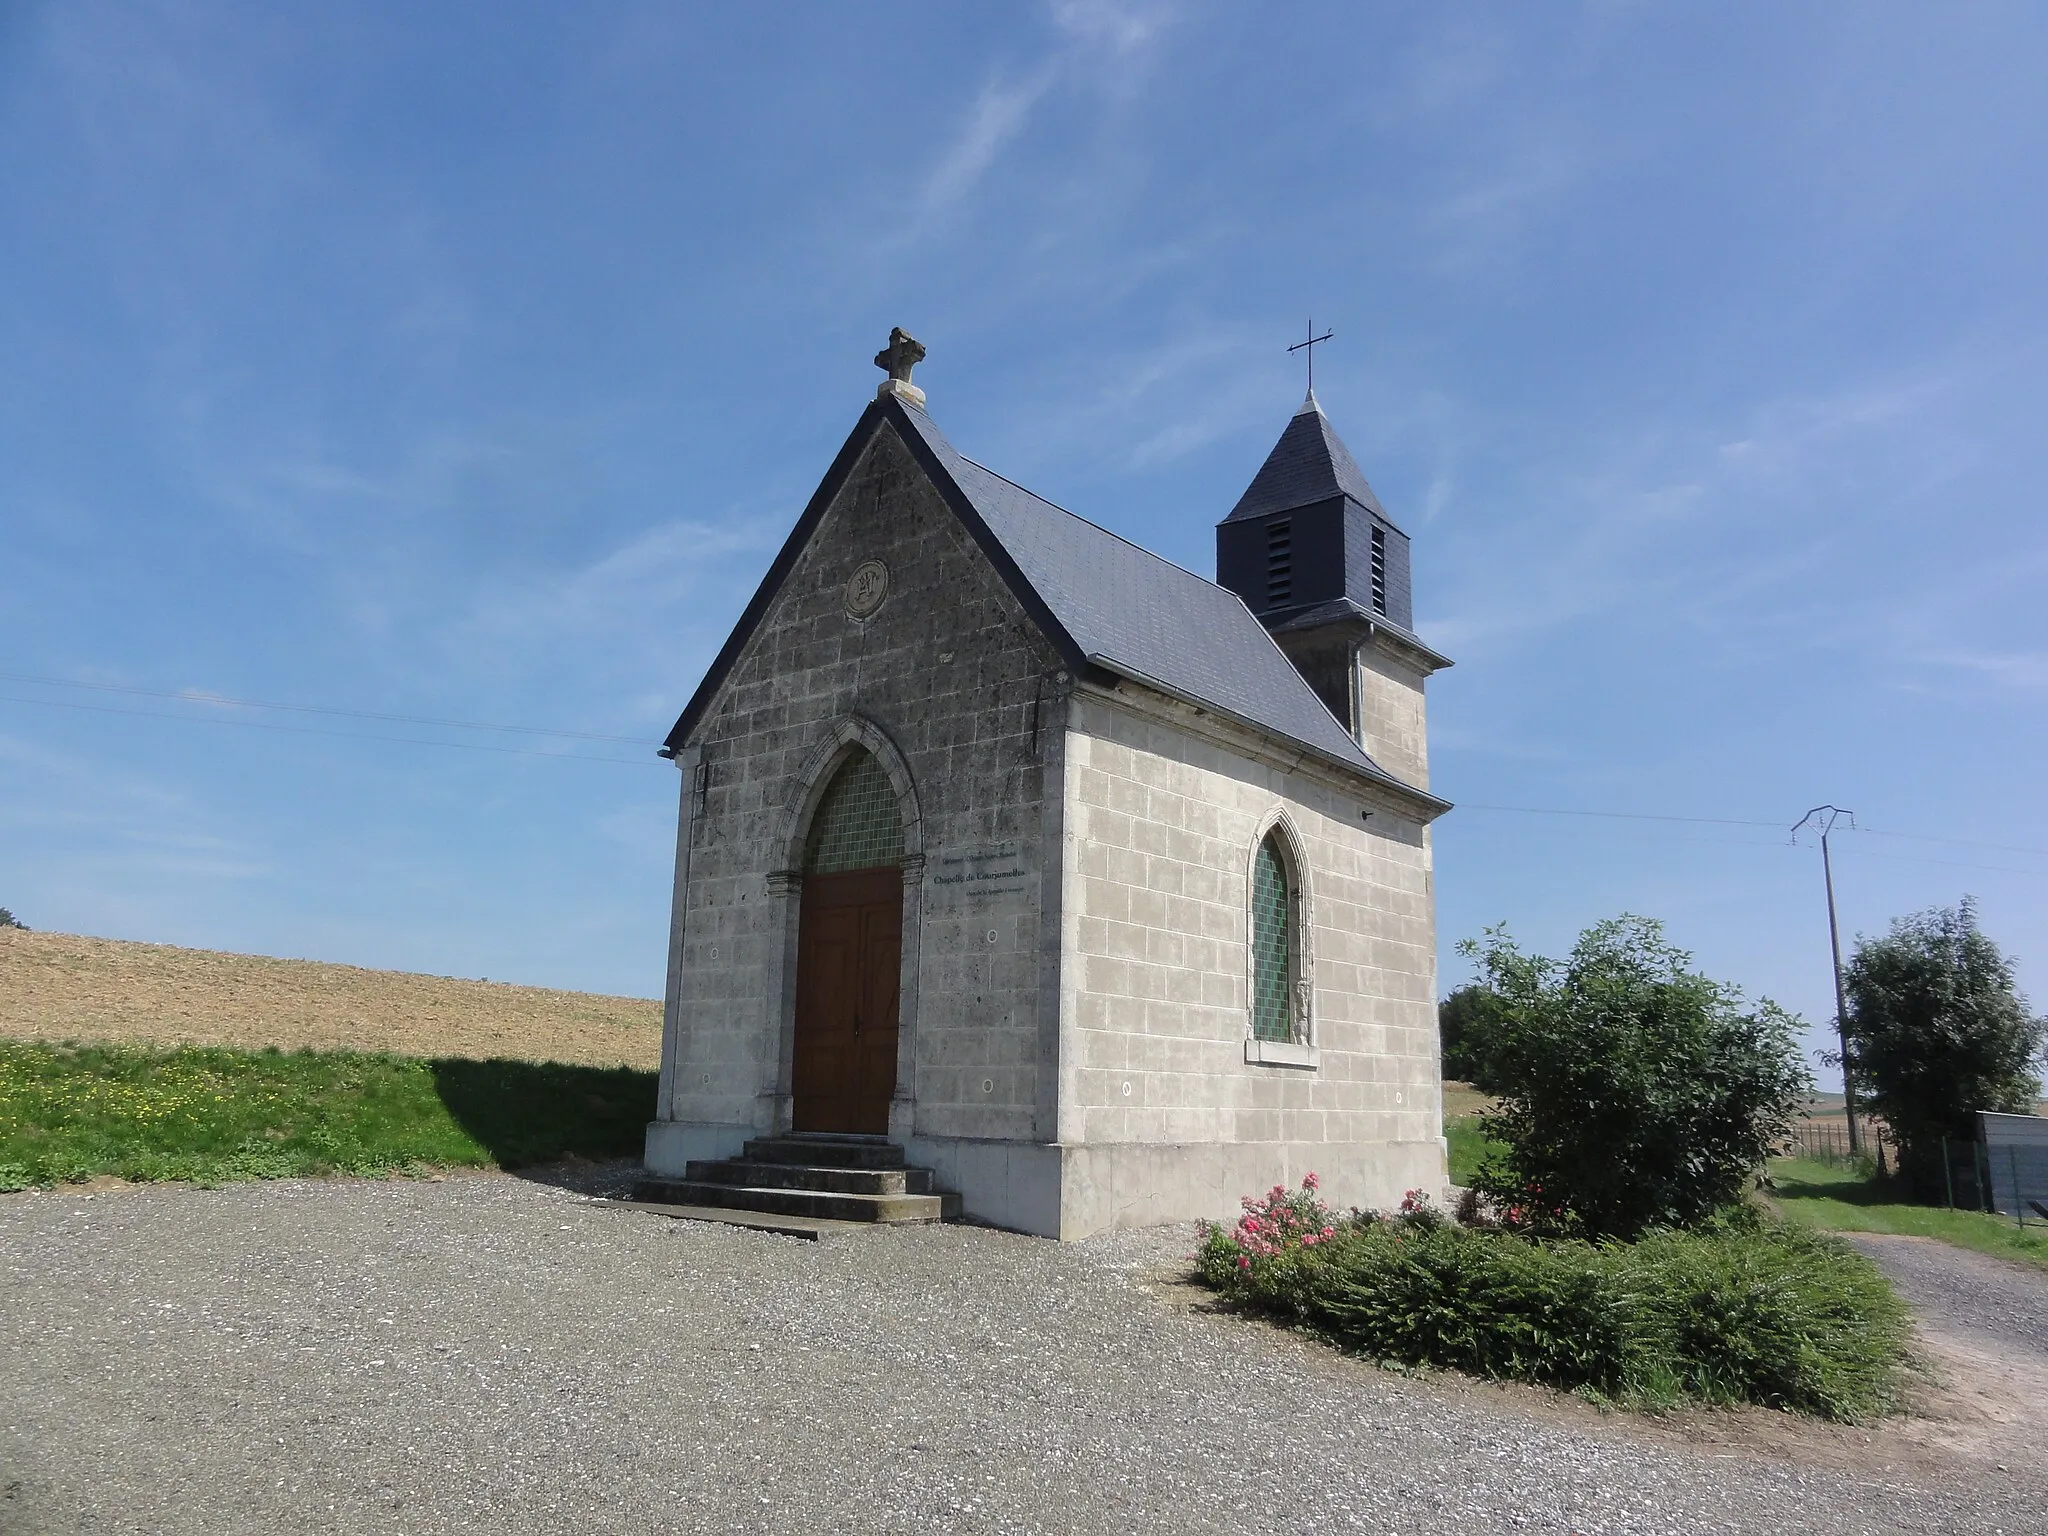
<point x="9" y="920"/>
<point x="1937" y="1030"/>
<point x="1750" y="1312"/>
<point x="1464" y="1021"/>
<point x="1635" y="1092"/>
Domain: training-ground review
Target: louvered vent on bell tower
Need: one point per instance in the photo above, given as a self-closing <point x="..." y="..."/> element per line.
<point x="1309" y="533"/>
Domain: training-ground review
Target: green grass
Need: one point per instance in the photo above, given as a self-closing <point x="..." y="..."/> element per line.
<point x="69" y="1112"/>
<point x="1469" y="1145"/>
<point x="1847" y="1199"/>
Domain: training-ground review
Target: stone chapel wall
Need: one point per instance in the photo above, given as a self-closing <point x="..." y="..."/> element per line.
<point x="1164" y="818"/>
<point x="955" y="675"/>
<point x="1391" y="709"/>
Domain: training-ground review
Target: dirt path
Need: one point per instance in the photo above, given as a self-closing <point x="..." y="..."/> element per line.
<point x="1982" y="1327"/>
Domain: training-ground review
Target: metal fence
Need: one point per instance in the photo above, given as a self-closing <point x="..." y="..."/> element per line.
<point x="2005" y="1170"/>
<point x="2015" y="1153"/>
<point x="1827" y="1141"/>
<point x="1963" y="1184"/>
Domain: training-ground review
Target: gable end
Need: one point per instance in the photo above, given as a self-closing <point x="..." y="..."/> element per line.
<point x="888" y="411"/>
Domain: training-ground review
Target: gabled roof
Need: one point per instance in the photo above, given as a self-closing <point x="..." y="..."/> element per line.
<point x="1281" y="621"/>
<point x="1309" y="464"/>
<point x="1104" y="603"/>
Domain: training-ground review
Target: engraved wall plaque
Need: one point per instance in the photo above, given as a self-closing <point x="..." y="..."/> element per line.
<point x="866" y="588"/>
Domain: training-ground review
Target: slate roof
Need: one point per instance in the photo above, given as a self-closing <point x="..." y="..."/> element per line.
<point x="1315" y="615"/>
<point x="1309" y="464"/>
<point x="1102" y="601"/>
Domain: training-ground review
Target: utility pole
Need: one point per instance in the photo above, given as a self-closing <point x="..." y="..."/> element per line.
<point x="1824" y="817"/>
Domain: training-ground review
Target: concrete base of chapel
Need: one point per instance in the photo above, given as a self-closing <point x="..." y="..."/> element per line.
<point x="1073" y="1192"/>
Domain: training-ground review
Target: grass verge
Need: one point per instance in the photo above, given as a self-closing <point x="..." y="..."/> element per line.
<point x="1848" y="1199"/>
<point x="210" y="1114"/>
<point x="1771" y="1314"/>
<point x="1469" y="1145"/>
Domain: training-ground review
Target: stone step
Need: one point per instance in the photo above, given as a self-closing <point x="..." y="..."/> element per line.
<point x="820" y="1151"/>
<point x="821" y="1204"/>
<point x="843" y="1181"/>
<point x="809" y="1228"/>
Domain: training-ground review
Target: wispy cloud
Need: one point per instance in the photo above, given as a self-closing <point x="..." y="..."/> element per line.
<point x="1099" y="40"/>
<point x="112" y="816"/>
<point x="998" y="116"/>
<point x="2018" y="669"/>
<point x="1746" y="536"/>
<point x="660" y="573"/>
<point x="1113" y="26"/>
<point x="1147" y="405"/>
<point x="1485" y="217"/>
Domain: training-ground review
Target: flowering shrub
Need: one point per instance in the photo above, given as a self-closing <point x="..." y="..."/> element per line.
<point x="1741" y="1312"/>
<point x="1277" y="1237"/>
<point x="1418" y="1212"/>
<point x="1284" y="1220"/>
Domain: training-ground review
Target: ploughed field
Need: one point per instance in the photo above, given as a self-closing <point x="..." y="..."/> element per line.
<point x="60" y="986"/>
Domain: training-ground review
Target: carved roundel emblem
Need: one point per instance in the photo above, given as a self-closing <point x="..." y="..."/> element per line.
<point x="866" y="588"/>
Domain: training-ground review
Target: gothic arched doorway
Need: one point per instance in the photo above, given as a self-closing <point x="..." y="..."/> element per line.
<point x="849" y="954"/>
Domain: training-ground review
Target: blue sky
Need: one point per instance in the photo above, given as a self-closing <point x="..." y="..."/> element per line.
<point x="468" y="362"/>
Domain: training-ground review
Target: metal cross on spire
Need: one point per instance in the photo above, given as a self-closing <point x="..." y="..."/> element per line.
<point x="1309" y="347"/>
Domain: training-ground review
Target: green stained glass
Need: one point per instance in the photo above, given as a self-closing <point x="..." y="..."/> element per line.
<point x="1272" y="945"/>
<point x="857" y="825"/>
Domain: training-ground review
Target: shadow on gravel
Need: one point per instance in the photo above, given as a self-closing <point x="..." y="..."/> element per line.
<point x="525" y="1113"/>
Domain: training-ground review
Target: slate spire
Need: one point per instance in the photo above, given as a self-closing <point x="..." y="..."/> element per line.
<point x="1309" y="464"/>
<point x="1318" y="562"/>
<point x="1308" y="540"/>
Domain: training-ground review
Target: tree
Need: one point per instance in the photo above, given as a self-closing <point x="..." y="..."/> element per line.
<point x="1465" y="1022"/>
<point x="1937" y="1030"/>
<point x="9" y="920"/>
<point x="1635" y="1092"/>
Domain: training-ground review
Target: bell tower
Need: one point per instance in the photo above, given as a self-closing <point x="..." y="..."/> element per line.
<point x="1316" y="558"/>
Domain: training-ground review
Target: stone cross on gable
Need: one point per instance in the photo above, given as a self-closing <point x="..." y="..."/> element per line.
<point x="903" y="353"/>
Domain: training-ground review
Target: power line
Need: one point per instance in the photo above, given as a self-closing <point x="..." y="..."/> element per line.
<point x="1960" y="842"/>
<point x="1544" y="810"/>
<point x="202" y="698"/>
<point x="1729" y="821"/>
<point x="314" y="730"/>
<point x="194" y="697"/>
<point x="1853" y="852"/>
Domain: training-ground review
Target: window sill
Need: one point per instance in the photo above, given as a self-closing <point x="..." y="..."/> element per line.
<point x="1282" y="1053"/>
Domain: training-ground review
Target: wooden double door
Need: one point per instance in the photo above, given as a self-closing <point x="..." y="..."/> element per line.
<point x="848" y="976"/>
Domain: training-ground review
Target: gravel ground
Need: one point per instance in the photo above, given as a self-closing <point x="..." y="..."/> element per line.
<point x="491" y="1354"/>
<point x="1973" y="1298"/>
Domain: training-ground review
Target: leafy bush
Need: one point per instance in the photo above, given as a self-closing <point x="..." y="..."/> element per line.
<point x="1464" y="1021"/>
<point x="1743" y="1312"/>
<point x="1635" y="1092"/>
<point x="9" y="920"/>
<point x="1937" y="1030"/>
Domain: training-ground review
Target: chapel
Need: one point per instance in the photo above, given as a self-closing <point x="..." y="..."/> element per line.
<point x="1023" y="873"/>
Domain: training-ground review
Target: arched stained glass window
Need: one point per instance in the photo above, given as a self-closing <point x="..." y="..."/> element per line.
<point x="1274" y="944"/>
<point x="857" y="825"/>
